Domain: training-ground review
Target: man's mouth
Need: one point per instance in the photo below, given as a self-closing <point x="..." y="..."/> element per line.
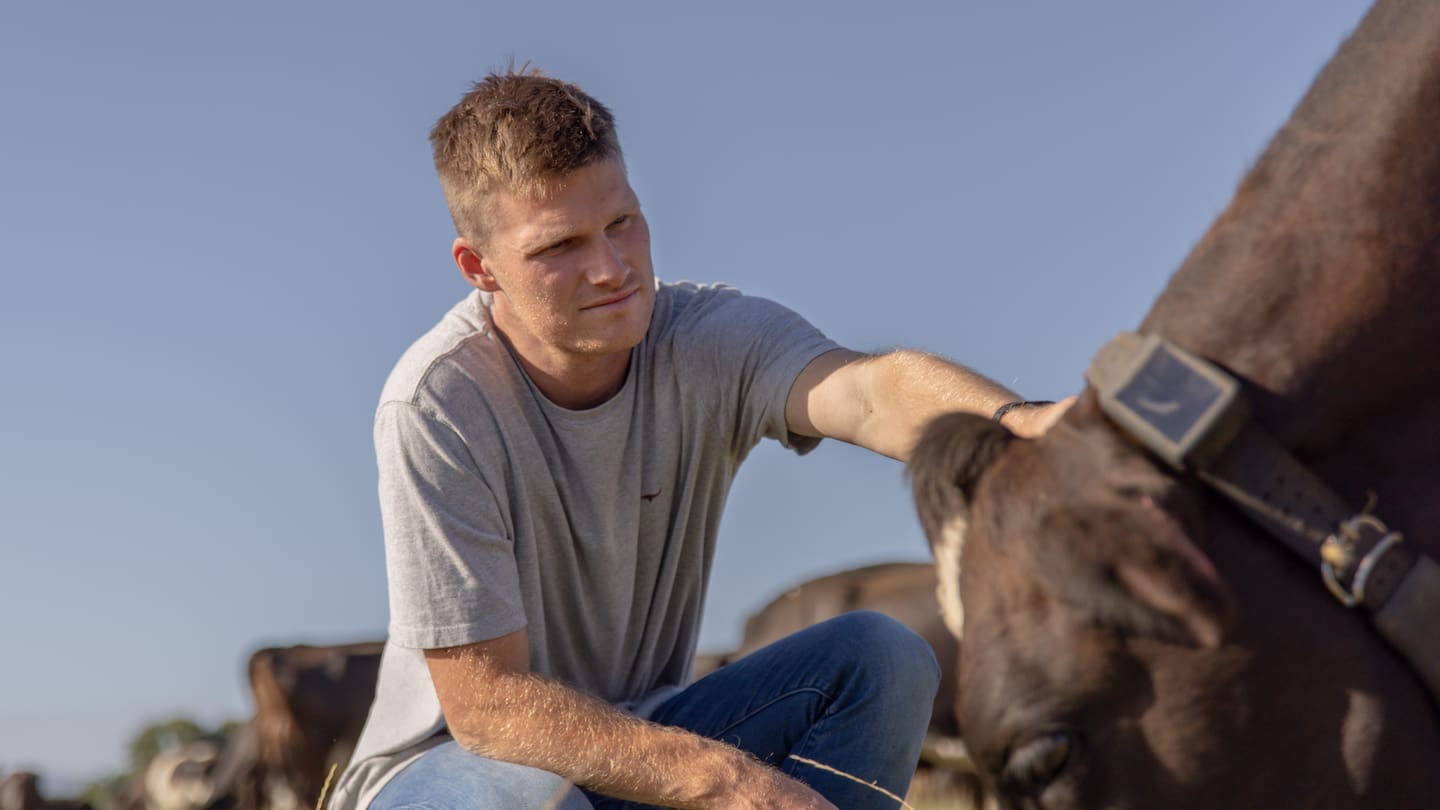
<point x="613" y="299"/>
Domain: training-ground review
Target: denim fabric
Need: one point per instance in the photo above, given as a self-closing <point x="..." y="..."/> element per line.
<point x="853" y="693"/>
<point x="447" y="777"/>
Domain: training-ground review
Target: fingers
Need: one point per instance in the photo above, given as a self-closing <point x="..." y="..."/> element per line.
<point x="1039" y="420"/>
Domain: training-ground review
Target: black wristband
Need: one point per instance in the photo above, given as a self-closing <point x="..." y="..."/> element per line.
<point x="1019" y="403"/>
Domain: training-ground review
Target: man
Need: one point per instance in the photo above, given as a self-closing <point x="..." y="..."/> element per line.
<point x="554" y="456"/>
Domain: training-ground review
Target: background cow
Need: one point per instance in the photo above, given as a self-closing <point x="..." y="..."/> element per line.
<point x="310" y="705"/>
<point x="180" y="778"/>
<point x="21" y="791"/>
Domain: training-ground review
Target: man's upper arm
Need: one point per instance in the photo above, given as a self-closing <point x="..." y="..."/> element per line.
<point x="828" y="398"/>
<point x="449" y="556"/>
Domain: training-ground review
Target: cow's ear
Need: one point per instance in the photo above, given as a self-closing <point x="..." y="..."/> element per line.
<point x="1135" y="569"/>
<point x="946" y="464"/>
<point x="944" y="468"/>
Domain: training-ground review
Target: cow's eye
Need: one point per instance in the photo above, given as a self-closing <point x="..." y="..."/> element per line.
<point x="1034" y="764"/>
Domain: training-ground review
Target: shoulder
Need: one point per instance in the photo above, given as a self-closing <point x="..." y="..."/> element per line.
<point x="686" y="298"/>
<point x="686" y="305"/>
<point x="453" y="358"/>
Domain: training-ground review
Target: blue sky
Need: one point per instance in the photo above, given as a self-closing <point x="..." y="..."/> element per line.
<point x="221" y="228"/>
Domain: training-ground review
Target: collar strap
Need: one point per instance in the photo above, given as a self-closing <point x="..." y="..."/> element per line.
<point x="1193" y="415"/>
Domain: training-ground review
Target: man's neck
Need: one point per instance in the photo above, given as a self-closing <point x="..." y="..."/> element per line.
<point x="577" y="383"/>
<point x="571" y="381"/>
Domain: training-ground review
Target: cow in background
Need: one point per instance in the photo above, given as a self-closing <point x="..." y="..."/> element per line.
<point x="222" y="774"/>
<point x="310" y="705"/>
<point x="180" y="778"/>
<point x="21" y="791"/>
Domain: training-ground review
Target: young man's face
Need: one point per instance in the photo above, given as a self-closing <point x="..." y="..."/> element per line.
<point x="571" y="273"/>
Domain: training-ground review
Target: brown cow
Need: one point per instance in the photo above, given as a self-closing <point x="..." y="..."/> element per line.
<point x="21" y="791"/>
<point x="1130" y="639"/>
<point x="237" y="778"/>
<point x="310" y="705"/>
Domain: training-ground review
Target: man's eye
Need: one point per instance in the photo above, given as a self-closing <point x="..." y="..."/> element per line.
<point x="621" y="221"/>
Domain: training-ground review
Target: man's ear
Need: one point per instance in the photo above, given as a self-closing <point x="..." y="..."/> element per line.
<point x="473" y="265"/>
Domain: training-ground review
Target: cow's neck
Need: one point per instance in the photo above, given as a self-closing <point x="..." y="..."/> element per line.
<point x="1320" y="283"/>
<point x="1325" y="264"/>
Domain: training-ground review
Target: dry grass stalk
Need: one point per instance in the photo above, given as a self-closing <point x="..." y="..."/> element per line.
<point x="324" y="789"/>
<point x="852" y="778"/>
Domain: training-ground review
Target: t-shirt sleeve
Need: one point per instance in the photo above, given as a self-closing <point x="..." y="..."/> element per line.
<point x="754" y="349"/>
<point x="448" y="558"/>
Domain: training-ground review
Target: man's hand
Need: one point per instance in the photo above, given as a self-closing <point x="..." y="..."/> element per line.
<point x="1031" y="422"/>
<point x="779" y="792"/>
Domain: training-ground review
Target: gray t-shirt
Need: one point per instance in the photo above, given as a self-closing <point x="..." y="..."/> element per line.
<point x="594" y="529"/>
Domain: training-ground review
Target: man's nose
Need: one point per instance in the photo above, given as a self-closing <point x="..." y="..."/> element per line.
<point x="609" y="267"/>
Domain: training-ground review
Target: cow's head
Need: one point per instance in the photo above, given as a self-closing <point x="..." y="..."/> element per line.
<point x="1081" y="557"/>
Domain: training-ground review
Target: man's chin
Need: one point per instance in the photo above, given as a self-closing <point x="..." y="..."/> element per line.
<point x="613" y="343"/>
<point x="637" y="323"/>
<point x="622" y="335"/>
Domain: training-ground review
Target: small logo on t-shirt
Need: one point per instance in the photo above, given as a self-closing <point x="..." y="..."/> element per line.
<point x="651" y="496"/>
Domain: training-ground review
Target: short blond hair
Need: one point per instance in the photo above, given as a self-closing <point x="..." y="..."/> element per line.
<point x="519" y="130"/>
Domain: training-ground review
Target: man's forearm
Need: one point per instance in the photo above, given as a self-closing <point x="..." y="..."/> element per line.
<point x="528" y="720"/>
<point x="905" y="389"/>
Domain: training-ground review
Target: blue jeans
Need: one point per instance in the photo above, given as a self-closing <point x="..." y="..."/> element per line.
<point x="853" y="693"/>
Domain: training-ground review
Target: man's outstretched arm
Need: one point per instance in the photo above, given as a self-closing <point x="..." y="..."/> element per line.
<point x="883" y="402"/>
<point x="496" y="708"/>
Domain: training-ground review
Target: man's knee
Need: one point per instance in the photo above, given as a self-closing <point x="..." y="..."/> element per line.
<point x="449" y="778"/>
<point x="885" y="649"/>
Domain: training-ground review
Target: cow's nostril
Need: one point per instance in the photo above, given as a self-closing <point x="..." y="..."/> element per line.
<point x="1033" y="765"/>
